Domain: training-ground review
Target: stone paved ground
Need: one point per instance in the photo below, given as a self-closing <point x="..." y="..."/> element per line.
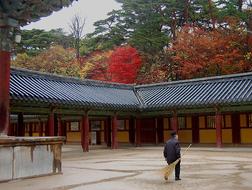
<point x="140" y="169"/>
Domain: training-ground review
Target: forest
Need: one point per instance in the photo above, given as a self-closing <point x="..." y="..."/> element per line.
<point x="147" y="41"/>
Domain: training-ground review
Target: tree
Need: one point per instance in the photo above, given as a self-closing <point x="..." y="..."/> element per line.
<point x="35" y="41"/>
<point x="89" y="45"/>
<point x="152" y="26"/>
<point x="120" y="65"/>
<point x="54" y="60"/>
<point x="77" y="26"/>
<point x="95" y="65"/>
<point x="249" y="33"/>
<point x="109" y="32"/>
<point x="123" y="65"/>
<point x="137" y="23"/>
<point x="154" y="73"/>
<point x="153" y="23"/>
<point x="199" y="53"/>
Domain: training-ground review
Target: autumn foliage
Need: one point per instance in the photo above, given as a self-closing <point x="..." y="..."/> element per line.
<point x="152" y="73"/>
<point x="95" y="65"/>
<point x="123" y="65"/>
<point x="196" y="52"/>
<point x="199" y="53"/>
<point x="55" y="60"/>
<point x="120" y="65"/>
<point x="176" y="40"/>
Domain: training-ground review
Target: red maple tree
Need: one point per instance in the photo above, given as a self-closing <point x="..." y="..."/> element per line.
<point x="123" y="65"/>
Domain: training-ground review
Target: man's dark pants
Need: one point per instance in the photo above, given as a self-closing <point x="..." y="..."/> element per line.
<point x="177" y="170"/>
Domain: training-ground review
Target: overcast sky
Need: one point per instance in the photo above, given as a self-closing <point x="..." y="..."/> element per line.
<point x="92" y="10"/>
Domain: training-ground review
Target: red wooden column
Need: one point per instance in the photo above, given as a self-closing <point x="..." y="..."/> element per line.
<point x="132" y="130"/>
<point x="51" y="124"/>
<point x="4" y="91"/>
<point x="41" y="128"/>
<point x="160" y="129"/>
<point x="236" y="129"/>
<point x="174" y="123"/>
<point x="46" y="128"/>
<point x="56" y="123"/>
<point x="85" y="133"/>
<point x="195" y="129"/>
<point x="30" y="128"/>
<point x="138" y="131"/>
<point x="59" y="126"/>
<point x="114" y="133"/>
<point x="218" y="125"/>
<point x="11" y="129"/>
<point x="156" y="131"/>
<point x="20" y="125"/>
<point x="107" y="131"/>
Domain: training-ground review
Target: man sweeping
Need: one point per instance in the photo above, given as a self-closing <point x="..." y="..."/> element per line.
<point x="172" y="153"/>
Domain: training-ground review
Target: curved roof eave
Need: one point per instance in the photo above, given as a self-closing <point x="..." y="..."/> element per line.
<point x="67" y="91"/>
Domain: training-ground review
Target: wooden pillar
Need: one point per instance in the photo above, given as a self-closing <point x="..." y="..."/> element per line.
<point x="160" y="129"/>
<point x="30" y="128"/>
<point x="41" y="128"/>
<point x="85" y="133"/>
<point x="132" y="130"/>
<point x="56" y="124"/>
<point x="11" y="129"/>
<point x="51" y="124"/>
<point x="114" y="132"/>
<point x="174" y="121"/>
<point x="108" y="126"/>
<point x="156" y="130"/>
<point x="218" y="125"/>
<point x="20" y="125"/>
<point x="138" y="131"/>
<point x="236" y="129"/>
<point x="14" y="125"/>
<point x="16" y="129"/>
<point x="4" y="91"/>
<point x="195" y="129"/>
<point x="46" y="128"/>
<point x="64" y="128"/>
<point x="59" y="126"/>
<point x="105" y="131"/>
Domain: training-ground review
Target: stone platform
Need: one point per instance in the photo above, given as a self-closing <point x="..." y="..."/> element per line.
<point x="23" y="157"/>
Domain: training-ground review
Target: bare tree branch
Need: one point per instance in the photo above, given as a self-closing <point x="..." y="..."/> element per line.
<point x="77" y="27"/>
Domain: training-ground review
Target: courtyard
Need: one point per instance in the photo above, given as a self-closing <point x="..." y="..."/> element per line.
<point x="141" y="168"/>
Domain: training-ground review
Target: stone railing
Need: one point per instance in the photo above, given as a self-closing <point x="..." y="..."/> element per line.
<point x="23" y="157"/>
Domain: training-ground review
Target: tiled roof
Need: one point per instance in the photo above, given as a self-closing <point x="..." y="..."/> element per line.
<point x="35" y="87"/>
<point x="30" y="10"/>
<point x="30" y="86"/>
<point x="211" y="91"/>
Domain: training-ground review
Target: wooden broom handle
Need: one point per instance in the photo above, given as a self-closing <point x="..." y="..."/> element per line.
<point x="186" y="150"/>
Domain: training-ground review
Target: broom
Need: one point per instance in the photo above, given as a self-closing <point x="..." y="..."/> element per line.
<point x="170" y="168"/>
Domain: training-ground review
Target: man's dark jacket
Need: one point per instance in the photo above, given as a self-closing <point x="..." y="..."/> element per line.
<point x="172" y="150"/>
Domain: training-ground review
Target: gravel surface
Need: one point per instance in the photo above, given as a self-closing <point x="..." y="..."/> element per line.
<point x="141" y="169"/>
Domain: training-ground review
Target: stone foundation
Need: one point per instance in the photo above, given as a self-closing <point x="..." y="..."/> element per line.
<point x="23" y="157"/>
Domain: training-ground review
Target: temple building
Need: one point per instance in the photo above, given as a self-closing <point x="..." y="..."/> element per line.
<point x="213" y="110"/>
